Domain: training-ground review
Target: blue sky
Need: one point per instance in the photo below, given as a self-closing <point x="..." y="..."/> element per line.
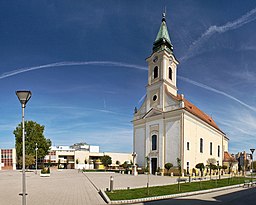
<point x="84" y="62"/>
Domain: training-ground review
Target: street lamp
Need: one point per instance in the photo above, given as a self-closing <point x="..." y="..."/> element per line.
<point x="134" y="155"/>
<point x="252" y="150"/>
<point x="36" y="157"/>
<point x="24" y="97"/>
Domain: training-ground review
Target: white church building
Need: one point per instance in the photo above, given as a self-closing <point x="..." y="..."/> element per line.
<point x="167" y="126"/>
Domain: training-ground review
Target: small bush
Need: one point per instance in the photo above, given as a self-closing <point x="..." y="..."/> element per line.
<point x="45" y="170"/>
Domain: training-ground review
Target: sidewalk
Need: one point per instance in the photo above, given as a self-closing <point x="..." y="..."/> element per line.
<point x="66" y="187"/>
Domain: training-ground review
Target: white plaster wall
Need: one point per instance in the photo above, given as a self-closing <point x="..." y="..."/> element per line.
<point x="160" y="150"/>
<point x="193" y="131"/>
<point x="139" y="144"/>
<point x="121" y="157"/>
<point x="225" y="145"/>
<point x="172" y="140"/>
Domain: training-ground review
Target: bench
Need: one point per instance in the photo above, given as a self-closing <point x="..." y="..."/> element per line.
<point x="199" y="179"/>
<point x="182" y="180"/>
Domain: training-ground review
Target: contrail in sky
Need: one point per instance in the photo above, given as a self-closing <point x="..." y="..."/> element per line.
<point x="217" y="91"/>
<point x="111" y="63"/>
<point x="60" y="64"/>
<point x="194" y="48"/>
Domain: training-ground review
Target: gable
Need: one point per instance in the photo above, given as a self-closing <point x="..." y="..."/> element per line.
<point x="152" y="112"/>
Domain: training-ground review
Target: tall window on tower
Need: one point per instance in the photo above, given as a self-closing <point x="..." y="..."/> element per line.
<point x="156" y="72"/>
<point x="170" y="73"/>
<point x="154" y="142"/>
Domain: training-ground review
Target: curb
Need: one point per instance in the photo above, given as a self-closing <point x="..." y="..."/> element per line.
<point x="170" y="196"/>
<point x="104" y="196"/>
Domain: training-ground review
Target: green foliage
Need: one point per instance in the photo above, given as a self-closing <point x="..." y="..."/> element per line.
<point x="179" y="165"/>
<point x="34" y="134"/>
<point x="118" y="162"/>
<point x="45" y="170"/>
<point x="224" y="167"/>
<point x="106" y="160"/>
<point x="29" y="160"/>
<point x="168" y="166"/>
<point x="125" y="165"/>
<point x="201" y="167"/>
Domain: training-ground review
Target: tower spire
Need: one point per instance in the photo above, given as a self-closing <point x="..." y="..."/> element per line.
<point x="164" y="13"/>
<point x="163" y="39"/>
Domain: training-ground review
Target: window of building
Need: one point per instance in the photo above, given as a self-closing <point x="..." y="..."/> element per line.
<point x="156" y="72"/>
<point x="187" y="145"/>
<point x="218" y="150"/>
<point x="201" y="145"/>
<point x="154" y="142"/>
<point x="210" y="148"/>
<point x="170" y="73"/>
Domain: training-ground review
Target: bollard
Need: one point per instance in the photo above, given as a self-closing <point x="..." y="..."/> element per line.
<point x="111" y="183"/>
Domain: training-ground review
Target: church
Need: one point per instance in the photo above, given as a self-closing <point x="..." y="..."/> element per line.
<point x="167" y="126"/>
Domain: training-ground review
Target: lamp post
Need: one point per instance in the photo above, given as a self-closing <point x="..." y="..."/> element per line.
<point x="36" y="157"/>
<point x="252" y="150"/>
<point x="24" y="97"/>
<point x="134" y="155"/>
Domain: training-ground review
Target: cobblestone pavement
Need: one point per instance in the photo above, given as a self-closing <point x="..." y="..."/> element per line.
<point x="67" y="187"/>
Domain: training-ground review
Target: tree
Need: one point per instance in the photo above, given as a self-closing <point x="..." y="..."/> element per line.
<point x="168" y="166"/>
<point x="224" y="167"/>
<point x="179" y="168"/>
<point x="106" y="160"/>
<point x="231" y="162"/>
<point x="34" y="134"/>
<point x="179" y="165"/>
<point x="201" y="167"/>
<point x="211" y="163"/>
<point x="29" y="160"/>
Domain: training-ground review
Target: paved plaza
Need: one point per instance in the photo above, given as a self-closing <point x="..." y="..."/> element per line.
<point x="69" y="187"/>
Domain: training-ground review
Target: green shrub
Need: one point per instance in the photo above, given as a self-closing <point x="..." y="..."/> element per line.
<point x="45" y="170"/>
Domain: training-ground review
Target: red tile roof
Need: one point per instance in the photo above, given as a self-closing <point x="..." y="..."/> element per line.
<point x="228" y="157"/>
<point x="195" y="110"/>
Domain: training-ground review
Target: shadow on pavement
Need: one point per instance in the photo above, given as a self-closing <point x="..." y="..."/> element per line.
<point x="247" y="196"/>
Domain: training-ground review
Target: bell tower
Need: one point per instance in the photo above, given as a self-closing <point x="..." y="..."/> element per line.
<point x="162" y="69"/>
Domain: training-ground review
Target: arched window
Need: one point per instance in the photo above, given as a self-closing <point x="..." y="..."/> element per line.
<point x="201" y="145"/>
<point x="154" y="142"/>
<point x="155" y="72"/>
<point x="170" y="73"/>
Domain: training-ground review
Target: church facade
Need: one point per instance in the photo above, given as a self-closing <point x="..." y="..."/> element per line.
<point x="167" y="126"/>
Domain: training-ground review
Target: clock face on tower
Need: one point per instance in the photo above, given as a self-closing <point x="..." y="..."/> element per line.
<point x="155" y="59"/>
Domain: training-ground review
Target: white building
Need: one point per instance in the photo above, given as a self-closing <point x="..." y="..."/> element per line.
<point x="167" y="126"/>
<point x="82" y="155"/>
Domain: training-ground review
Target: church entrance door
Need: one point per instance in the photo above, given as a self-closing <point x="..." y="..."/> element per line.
<point x="153" y="165"/>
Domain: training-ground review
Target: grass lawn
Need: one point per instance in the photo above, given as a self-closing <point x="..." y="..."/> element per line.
<point x="172" y="189"/>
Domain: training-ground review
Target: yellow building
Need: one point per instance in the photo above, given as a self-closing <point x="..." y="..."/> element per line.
<point x="167" y="126"/>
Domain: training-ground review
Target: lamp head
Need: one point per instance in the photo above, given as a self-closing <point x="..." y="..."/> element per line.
<point x="23" y="96"/>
